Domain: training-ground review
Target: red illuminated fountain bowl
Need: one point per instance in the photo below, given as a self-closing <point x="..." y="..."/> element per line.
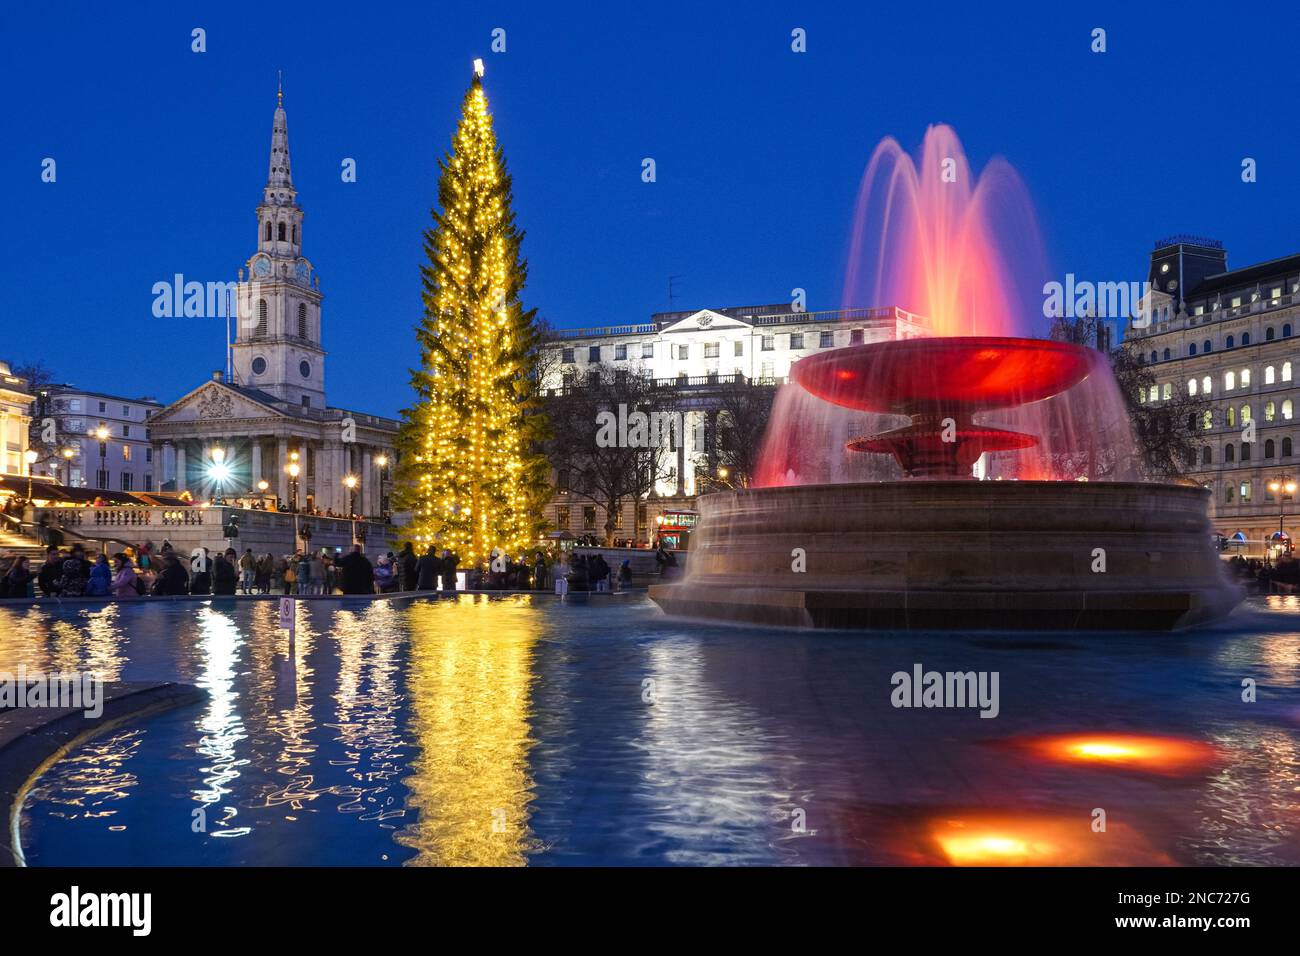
<point x="943" y="374"/>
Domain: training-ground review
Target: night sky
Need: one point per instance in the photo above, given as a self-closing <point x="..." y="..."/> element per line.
<point x="162" y="153"/>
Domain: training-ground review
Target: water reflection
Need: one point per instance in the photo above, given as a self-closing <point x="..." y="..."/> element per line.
<point x="470" y="685"/>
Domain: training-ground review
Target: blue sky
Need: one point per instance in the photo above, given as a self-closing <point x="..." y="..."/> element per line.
<point x="162" y="153"/>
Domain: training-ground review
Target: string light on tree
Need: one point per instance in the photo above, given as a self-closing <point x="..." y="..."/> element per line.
<point x="470" y="473"/>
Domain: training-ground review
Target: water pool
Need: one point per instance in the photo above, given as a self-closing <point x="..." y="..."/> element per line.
<point x="516" y="730"/>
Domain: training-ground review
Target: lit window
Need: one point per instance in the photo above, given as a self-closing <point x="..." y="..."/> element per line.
<point x="1270" y="412"/>
<point x="1230" y="417"/>
<point x="1167" y="391"/>
<point x="1245" y="378"/>
<point x="1268" y="375"/>
<point x="1154" y="393"/>
<point x="1229" y="380"/>
<point x="1244" y="491"/>
<point x="1191" y="386"/>
<point x="1286" y="371"/>
<point x="1287" y="409"/>
<point x="1205" y="385"/>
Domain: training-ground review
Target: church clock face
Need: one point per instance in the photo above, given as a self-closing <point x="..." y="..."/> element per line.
<point x="305" y="369"/>
<point x="303" y="270"/>
<point x="261" y="267"/>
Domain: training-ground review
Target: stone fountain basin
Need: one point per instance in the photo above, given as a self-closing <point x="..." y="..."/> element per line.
<point x="959" y="554"/>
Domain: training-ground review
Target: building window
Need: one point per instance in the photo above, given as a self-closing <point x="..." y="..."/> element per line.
<point x="1244" y="491"/>
<point x="1245" y="378"/>
<point x="855" y="337"/>
<point x="683" y="352"/>
<point x="126" y="410"/>
<point x="1270" y="412"/>
<point x="148" y="482"/>
<point x="1286" y="447"/>
<point x="1166" y="355"/>
<point x="1153" y="394"/>
<point x="712" y="349"/>
<point x="1269" y="448"/>
<point x="1229" y="453"/>
<point x="1191" y="349"/>
<point x="766" y="371"/>
<point x="1227" y="343"/>
<point x="1268" y="334"/>
<point x="306" y="401"/>
<point x="648" y="350"/>
<point x="1287" y="409"/>
<point x="1191" y="386"/>
<point x="769" y="343"/>
<point x="589" y="518"/>
<point x="1245" y="451"/>
<point x="126" y="452"/>
<point x="127" y="478"/>
<point x="593" y="353"/>
<point x="1286" y="331"/>
<point x="1245" y="338"/>
<point x="740" y="348"/>
<point x="827" y="340"/>
<point x="302" y="320"/>
<point x="1206" y="455"/>
<point x="1205" y="385"/>
<point x="148" y="454"/>
<point x="1286" y="371"/>
<point x="620" y="353"/>
<point x="1230" y="417"/>
<point x="268" y="230"/>
<point x="1227" y="493"/>
<point x="1206" y="347"/>
<point x="1229" y="380"/>
<point x="566" y="355"/>
<point x="103" y="406"/>
<point x="280" y="232"/>
<point x="562" y="518"/>
<point x="101" y="479"/>
<point x="796" y="340"/>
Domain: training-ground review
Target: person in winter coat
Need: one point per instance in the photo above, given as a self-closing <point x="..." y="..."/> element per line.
<point x="48" y="578"/>
<point x="224" y="576"/>
<point x="74" y="573"/>
<point x="100" y="583"/>
<point x="173" y="579"/>
<point x="450" y="562"/>
<point x="407" y="568"/>
<point x="358" y="573"/>
<point x="14" y="584"/>
<point x="124" y="580"/>
<point x="430" y="566"/>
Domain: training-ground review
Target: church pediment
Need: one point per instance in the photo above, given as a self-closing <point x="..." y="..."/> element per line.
<point x="706" y="319"/>
<point x="214" y="401"/>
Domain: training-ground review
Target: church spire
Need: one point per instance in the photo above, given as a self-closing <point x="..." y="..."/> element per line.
<point x="279" y="181"/>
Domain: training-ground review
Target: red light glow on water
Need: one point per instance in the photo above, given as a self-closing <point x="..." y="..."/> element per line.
<point x="1157" y="754"/>
<point x="1034" y="840"/>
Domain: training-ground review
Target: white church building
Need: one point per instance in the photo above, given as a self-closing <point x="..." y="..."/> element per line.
<point x="269" y="419"/>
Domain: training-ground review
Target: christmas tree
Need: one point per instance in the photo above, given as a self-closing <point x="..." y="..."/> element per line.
<point x="470" y="473"/>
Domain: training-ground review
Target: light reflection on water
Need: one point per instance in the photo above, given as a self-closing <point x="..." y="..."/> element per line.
<point x="475" y="731"/>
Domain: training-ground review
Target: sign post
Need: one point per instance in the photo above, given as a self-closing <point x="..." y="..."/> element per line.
<point x="289" y="617"/>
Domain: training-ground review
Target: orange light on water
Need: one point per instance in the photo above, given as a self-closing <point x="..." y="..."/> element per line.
<point x="1136" y="751"/>
<point x="1032" y="840"/>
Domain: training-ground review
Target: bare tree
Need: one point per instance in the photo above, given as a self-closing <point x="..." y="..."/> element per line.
<point x="595" y="453"/>
<point x="744" y="409"/>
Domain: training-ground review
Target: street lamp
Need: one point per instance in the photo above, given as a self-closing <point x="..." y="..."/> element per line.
<point x="350" y="482"/>
<point x="382" y="462"/>
<point x="1282" y="483"/>
<point x="30" y="457"/>
<point x="68" y="455"/>
<point x="102" y="434"/>
<point x="294" y="471"/>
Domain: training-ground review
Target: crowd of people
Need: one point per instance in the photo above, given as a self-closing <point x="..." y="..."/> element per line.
<point x="145" y="570"/>
<point x="1282" y="574"/>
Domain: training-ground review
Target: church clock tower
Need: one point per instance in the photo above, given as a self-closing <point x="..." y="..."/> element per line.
<point x="277" y="346"/>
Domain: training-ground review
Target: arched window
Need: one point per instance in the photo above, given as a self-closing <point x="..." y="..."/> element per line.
<point x="295" y="234"/>
<point x="1269" y="448"/>
<point x="1154" y="357"/>
<point x="1205" y="385"/>
<point x="1166" y="355"/>
<point x="1207" y="457"/>
<point x="1191" y="349"/>
<point x="1207" y="420"/>
<point x="1229" y="453"/>
<point x="1227" y="343"/>
<point x="1229" y="380"/>
<point x="1286" y="448"/>
<point x="1286" y="371"/>
<point x="261" y="317"/>
<point x="1268" y="334"/>
<point x="1230" y="417"/>
<point x="1207" y="346"/>
<point x="268" y="230"/>
<point x="1288" y="410"/>
<point x="1245" y="414"/>
<point x="302" y="320"/>
<point x="1268" y="375"/>
<point x="1245" y="378"/>
<point x="1270" y="411"/>
<point x="1245" y="451"/>
<point x="1191" y="386"/>
<point x="281" y="232"/>
<point x="1286" y="331"/>
<point x="1245" y="338"/>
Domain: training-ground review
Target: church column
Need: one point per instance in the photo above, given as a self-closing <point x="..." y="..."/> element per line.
<point x="281" y="461"/>
<point x="180" y="466"/>
<point x="257" y="462"/>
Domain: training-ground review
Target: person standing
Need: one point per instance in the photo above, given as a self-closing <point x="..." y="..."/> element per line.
<point x="358" y="573"/>
<point x="201" y="583"/>
<point x="450" y="562"/>
<point x="173" y="578"/>
<point x="407" y="568"/>
<point x="319" y="574"/>
<point x="539" y="572"/>
<point x="224" y="576"/>
<point x="247" y="571"/>
<point x="428" y="569"/>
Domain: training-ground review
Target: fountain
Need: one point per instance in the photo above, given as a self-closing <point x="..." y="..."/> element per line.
<point x="1069" y="538"/>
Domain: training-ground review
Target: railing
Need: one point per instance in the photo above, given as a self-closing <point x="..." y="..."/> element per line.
<point x="643" y="328"/>
<point x="891" y="313"/>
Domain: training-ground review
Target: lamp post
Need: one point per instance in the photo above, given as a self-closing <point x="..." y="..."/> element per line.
<point x="68" y="455"/>
<point x="30" y="457"/>
<point x="350" y="482"/>
<point x="102" y="434"/>
<point x="294" y="470"/>
<point x="1280" y="485"/>
<point x="382" y="462"/>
